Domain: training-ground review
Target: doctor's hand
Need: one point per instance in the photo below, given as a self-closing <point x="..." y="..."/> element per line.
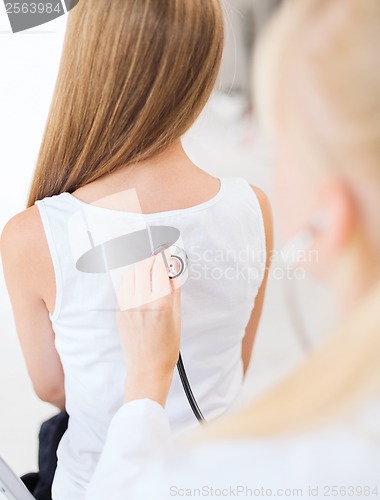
<point x="149" y="322"/>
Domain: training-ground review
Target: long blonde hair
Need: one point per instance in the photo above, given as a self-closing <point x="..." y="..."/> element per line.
<point x="134" y="75"/>
<point x="346" y="370"/>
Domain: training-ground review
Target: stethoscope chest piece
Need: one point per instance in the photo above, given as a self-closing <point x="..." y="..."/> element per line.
<point x="178" y="261"/>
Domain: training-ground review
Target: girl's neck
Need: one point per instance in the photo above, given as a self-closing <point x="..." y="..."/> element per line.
<point x="156" y="170"/>
<point x="169" y="181"/>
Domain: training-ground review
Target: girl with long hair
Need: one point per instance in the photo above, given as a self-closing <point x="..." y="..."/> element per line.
<point x="315" y="434"/>
<point x="134" y="76"/>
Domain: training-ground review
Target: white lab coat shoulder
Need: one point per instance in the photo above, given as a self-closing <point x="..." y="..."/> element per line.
<point x="333" y="462"/>
<point x="140" y="462"/>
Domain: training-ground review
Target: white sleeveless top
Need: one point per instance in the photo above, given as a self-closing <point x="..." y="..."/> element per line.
<point x="225" y="242"/>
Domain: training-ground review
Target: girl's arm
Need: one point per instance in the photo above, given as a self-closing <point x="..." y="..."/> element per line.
<point x="250" y="332"/>
<point x="28" y="271"/>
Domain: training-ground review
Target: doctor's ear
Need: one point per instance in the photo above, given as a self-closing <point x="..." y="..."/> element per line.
<point x="334" y="225"/>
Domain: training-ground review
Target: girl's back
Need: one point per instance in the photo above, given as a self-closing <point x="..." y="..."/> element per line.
<point x="224" y="237"/>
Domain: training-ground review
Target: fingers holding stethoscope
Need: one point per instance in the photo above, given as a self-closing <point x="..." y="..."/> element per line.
<point x="145" y="282"/>
<point x="150" y="327"/>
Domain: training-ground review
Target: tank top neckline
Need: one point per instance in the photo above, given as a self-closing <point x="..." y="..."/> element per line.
<point x="194" y="208"/>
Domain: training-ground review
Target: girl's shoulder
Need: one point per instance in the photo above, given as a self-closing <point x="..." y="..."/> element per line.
<point x="24" y="250"/>
<point x="241" y="188"/>
<point x="22" y="233"/>
<point x="261" y="200"/>
<point x="266" y="208"/>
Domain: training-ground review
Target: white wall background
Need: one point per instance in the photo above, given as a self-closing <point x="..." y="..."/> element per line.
<point x="220" y="142"/>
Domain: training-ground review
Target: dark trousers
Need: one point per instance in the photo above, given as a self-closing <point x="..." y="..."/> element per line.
<point x="39" y="483"/>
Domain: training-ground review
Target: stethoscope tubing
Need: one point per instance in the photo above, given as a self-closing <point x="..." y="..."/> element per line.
<point x="189" y="393"/>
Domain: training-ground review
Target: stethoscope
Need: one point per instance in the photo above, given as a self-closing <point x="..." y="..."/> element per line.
<point x="131" y="248"/>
